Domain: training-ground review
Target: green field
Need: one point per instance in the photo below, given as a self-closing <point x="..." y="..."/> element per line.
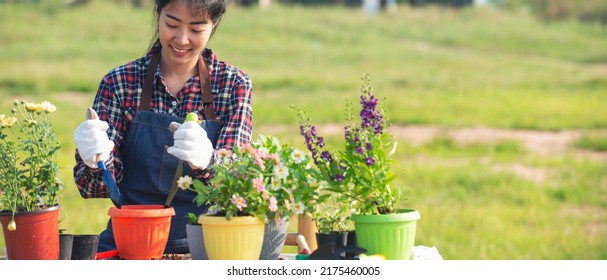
<point x="439" y="69"/>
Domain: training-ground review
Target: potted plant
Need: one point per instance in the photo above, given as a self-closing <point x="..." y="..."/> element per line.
<point x="29" y="182"/>
<point x="361" y="173"/>
<point x="297" y="192"/>
<point x="332" y="218"/>
<point x="264" y="182"/>
<point x="195" y="238"/>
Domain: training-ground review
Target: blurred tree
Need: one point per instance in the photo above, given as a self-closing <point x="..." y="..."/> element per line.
<point x="587" y="10"/>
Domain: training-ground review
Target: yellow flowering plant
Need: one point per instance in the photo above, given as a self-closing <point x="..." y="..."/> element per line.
<point x="28" y="166"/>
<point x="265" y="178"/>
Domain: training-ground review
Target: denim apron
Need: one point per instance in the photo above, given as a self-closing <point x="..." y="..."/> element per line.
<point x="149" y="170"/>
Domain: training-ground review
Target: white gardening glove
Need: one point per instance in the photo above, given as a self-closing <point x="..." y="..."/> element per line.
<point x="191" y="144"/>
<point x="91" y="139"/>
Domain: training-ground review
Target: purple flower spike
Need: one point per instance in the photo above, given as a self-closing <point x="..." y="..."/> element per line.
<point x="326" y="156"/>
<point x="359" y="150"/>
<point x="339" y="177"/>
<point x="369" y="161"/>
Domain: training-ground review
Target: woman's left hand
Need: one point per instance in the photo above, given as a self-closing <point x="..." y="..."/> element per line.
<point x="192" y="145"/>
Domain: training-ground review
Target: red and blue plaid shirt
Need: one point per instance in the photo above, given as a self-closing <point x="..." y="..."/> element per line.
<point x="118" y="98"/>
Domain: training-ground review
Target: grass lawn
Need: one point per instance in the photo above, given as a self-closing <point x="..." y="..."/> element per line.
<point x="439" y="69"/>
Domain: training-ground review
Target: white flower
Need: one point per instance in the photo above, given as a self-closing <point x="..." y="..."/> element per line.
<point x="281" y="172"/>
<point x="299" y="208"/>
<point x="298" y="156"/>
<point x="274" y="184"/>
<point x="184" y="182"/>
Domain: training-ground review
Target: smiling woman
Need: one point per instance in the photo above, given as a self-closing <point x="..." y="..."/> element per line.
<point x="184" y="33"/>
<point x="138" y="101"/>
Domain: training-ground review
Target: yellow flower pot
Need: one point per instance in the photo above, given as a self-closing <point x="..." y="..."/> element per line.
<point x="240" y="238"/>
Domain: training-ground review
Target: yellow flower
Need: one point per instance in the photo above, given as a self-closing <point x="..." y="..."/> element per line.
<point x="12" y="225"/>
<point x="48" y="107"/>
<point x="31" y="107"/>
<point x="10" y="121"/>
<point x="184" y="182"/>
<point x="7" y="122"/>
<point x="31" y="122"/>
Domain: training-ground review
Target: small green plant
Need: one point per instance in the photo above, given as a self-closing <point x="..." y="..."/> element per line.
<point x="29" y="172"/>
<point x="333" y="215"/>
<point x="192" y="219"/>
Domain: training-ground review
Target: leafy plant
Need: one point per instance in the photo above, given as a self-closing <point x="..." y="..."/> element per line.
<point x="361" y="171"/>
<point x="333" y="215"/>
<point x="264" y="178"/>
<point x="28" y="166"/>
<point x="192" y="219"/>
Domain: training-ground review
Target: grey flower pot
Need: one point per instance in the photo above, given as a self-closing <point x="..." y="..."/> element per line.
<point x="196" y="242"/>
<point x="274" y="239"/>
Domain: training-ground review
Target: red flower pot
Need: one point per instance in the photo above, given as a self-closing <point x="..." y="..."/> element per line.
<point x="141" y="232"/>
<point x="36" y="236"/>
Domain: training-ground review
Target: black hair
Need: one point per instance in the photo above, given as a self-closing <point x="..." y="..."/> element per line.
<point x="213" y="9"/>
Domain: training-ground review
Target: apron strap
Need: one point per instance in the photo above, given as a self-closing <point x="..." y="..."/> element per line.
<point x="205" y="87"/>
<point x="146" y="95"/>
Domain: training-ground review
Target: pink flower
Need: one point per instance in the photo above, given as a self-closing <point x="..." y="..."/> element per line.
<point x="276" y="159"/>
<point x="224" y="152"/>
<point x="265" y="195"/>
<point x="263" y="153"/>
<point x="273" y="206"/>
<point x="258" y="184"/>
<point x="239" y="202"/>
<point x="259" y="162"/>
<point x="287" y="204"/>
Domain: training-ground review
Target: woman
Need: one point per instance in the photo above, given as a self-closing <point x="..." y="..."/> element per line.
<point x="136" y="103"/>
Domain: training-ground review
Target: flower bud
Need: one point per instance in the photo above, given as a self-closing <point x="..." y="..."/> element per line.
<point x="12" y="225"/>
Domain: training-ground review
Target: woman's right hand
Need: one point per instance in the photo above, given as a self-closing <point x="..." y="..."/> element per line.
<point x="91" y="139"/>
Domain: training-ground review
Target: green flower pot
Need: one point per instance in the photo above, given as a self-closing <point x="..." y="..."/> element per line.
<point x="391" y="235"/>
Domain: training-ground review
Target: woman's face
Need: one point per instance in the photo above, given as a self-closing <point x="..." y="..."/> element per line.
<point x="182" y="35"/>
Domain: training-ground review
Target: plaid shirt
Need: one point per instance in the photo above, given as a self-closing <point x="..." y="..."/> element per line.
<point x="118" y="98"/>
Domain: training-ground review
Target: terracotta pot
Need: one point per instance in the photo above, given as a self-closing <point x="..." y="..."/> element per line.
<point x="141" y="232"/>
<point x="36" y="236"/>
